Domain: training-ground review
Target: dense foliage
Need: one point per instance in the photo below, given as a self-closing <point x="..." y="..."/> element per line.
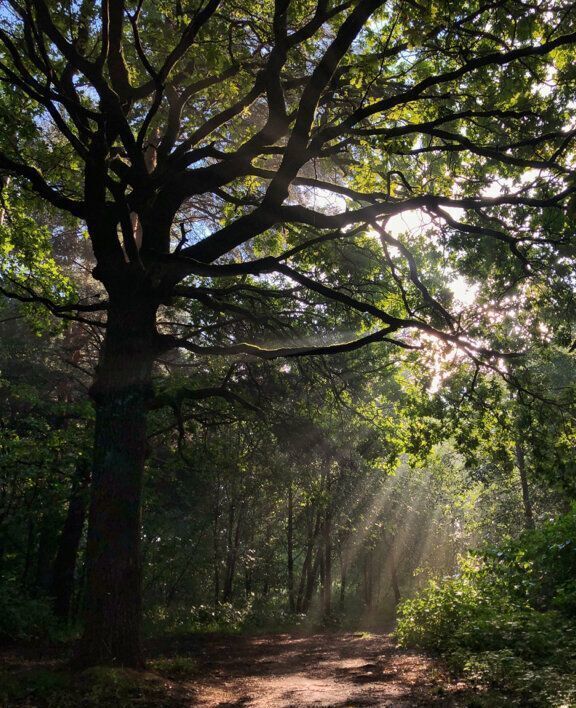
<point x="508" y="617"/>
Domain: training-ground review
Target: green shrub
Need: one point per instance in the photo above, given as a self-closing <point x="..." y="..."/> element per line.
<point x="196" y="619"/>
<point x="539" y="568"/>
<point x="256" y="615"/>
<point x="528" y="683"/>
<point x="507" y="620"/>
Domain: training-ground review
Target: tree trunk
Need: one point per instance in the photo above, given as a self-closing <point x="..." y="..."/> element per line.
<point x="313" y="531"/>
<point x="232" y="555"/>
<point x="321" y="574"/>
<point x="327" y="585"/>
<point x="4" y="182"/>
<point x="247" y="582"/>
<point x="368" y="577"/>
<point x="216" y="550"/>
<point x="229" y="567"/>
<point x="343" y="576"/>
<point x="121" y="391"/>
<point x="394" y="573"/>
<point x="311" y="581"/>
<point x="44" y="556"/>
<point x="305" y="564"/>
<point x="526" y="500"/>
<point x="67" y="554"/>
<point x="290" y="531"/>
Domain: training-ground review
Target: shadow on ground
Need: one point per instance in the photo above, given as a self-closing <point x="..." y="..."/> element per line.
<point x="337" y="670"/>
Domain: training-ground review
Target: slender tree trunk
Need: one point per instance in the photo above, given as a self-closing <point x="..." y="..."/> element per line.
<point x="302" y="603"/>
<point x="44" y="557"/>
<point x="327" y="586"/>
<point x="232" y="556"/>
<point x="343" y="576"/>
<point x="67" y="554"/>
<point x="378" y="576"/>
<point x="228" y="570"/>
<point x="302" y="583"/>
<point x="394" y="575"/>
<point x="247" y="565"/>
<point x="322" y="573"/>
<point x="305" y="565"/>
<point x="290" y="531"/>
<point x="215" y="540"/>
<point x="311" y="580"/>
<point x="368" y="577"/>
<point x="121" y="391"/>
<point x="4" y="182"/>
<point x="526" y="499"/>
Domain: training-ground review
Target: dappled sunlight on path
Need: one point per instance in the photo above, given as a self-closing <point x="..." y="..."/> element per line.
<point x="338" y="670"/>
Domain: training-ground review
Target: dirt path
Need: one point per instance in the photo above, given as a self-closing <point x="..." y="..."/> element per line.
<point x="338" y="670"/>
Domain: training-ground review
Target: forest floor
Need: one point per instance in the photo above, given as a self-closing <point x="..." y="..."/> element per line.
<point x="341" y="669"/>
<point x="336" y="669"/>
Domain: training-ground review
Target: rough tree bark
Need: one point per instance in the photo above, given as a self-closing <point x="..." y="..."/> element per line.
<point x="121" y="392"/>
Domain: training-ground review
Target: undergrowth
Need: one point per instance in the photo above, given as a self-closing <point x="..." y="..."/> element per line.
<point x="507" y="620"/>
